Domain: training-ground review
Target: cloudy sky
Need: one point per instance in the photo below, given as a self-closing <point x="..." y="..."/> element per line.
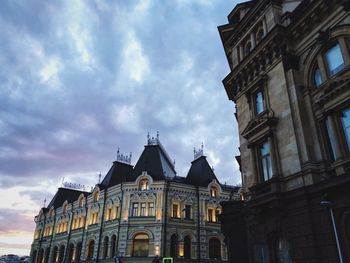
<point x="78" y="79"/>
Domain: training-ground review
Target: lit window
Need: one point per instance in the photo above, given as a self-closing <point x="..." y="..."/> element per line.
<point x="109" y="214"/>
<point x="140" y="247"/>
<point x="346" y="125"/>
<point x="143" y="209"/>
<point x="213" y="192"/>
<point x="175" y="212"/>
<point x="144" y="185"/>
<point x="318" y="77"/>
<point x="150" y="209"/>
<point x="135" y="209"/>
<point x="211" y="215"/>
<point x="96" y="195"/>
<point x="265" y="161"/>
<point x="259" y="102"/>
<point x="334" y="60"/>
<point x="116" y="215"/>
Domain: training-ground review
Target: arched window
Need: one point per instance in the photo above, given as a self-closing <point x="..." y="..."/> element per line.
<point x="78" y="252"/>
<point x="70" y="252"/>
<point x="96" y="195"/>
<point x="65" y="206"/>
<point x="90" y="249"/>
<point x="330" y="61"/>
<point x="187" y="247"/>
<point x="113" y="243"/>
<point x="214" y="248"/>
<point x="173" y="246"/>
<point x="105" y="247"/>
<point x="140" y="246"/>
<point x="144" y="185"/>
<point x="81" y="201"/>
<point x="334" y="59"/>
<point x="61" y="254"/>
<point x="214" y="191"/>
<point x="55" y="254"/>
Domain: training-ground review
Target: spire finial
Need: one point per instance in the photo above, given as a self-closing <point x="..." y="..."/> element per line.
<point x="157" y="135"/>
<point x="45" y="202"/>
<point x="99" y="178"/>
<point x="199" y="153"/>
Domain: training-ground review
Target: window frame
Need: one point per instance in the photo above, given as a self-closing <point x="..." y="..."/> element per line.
<point x="321" y="61"/>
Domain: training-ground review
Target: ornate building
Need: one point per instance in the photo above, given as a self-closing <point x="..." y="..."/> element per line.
<point x="137" y="212"/>
<point x="290" y="80"/>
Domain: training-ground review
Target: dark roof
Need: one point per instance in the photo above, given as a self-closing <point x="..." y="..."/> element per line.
<point x="200" y="172"/>
<point x="156" y="162"/>
<point x="118" y="173"/>
<point x="64" y="194"/>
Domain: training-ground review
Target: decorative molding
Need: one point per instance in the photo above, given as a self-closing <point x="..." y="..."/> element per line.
<point x="124" y="158"/>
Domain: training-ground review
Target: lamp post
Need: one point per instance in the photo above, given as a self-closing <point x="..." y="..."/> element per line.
<point x="329" y="204"/>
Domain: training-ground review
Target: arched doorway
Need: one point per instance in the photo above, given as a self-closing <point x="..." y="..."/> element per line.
<point x="70" y="252"/>
<point x="61" y="254"/>
<point x="174" y="246"/>
<point x="78" y="252"/>
<point x="105" y="247"/>
<point x="90" y="249"/>
<point x="34" y="256"/>
<point x="113" y="243"/>
<point x="187" y="247"/>
<point x="140" y="245"/>
<point x="54" y="256"/>
<point x="214" y="248"/>
<point x="282" y="251"/>
<point x="47" y="255"/>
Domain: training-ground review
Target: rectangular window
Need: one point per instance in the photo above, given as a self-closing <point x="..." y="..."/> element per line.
<point x="265" y="161"/>
<point x="187" y="212"/>
<point x="334" y="60"/>
<point x="116" y="212"/>
<point x="210" y="215"/>
<point x="135" y="209"/>
<point x="143" y="209"/>
<point x="259" y="102"/>
<point x="175" y="213"/>
<point x="217" y="215"/>
<point x="346" y="125"/>
<point x="109" y="214"/>
<point x="150" y="209"/>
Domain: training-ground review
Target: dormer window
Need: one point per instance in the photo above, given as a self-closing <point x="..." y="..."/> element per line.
<point x="334" y="58"/>
<point x="144" y="185"/>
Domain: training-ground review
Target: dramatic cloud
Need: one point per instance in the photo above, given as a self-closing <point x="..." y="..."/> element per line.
<point x="80" y="79"/>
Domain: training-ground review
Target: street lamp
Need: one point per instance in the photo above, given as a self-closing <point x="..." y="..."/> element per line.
<point x="329" y="204"/>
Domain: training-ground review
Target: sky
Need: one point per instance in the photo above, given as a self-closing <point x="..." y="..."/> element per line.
<point x="80" y="79"/>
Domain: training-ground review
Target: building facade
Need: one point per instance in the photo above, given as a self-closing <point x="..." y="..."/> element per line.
<point x="137" y="213"/>
<point x="289" y="79"/>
